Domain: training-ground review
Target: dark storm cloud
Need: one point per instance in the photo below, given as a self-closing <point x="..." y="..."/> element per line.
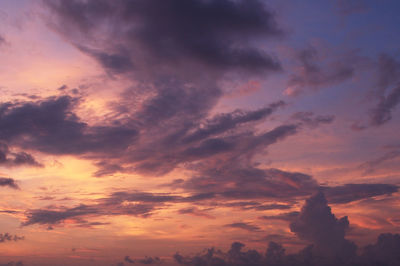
<point x="8" y="182"/>
<point x="171" y="31"/>
<point x="314" y="75"/>
<point x="6" y="237"/>
<point x="244" y="226"/>
<point x="353" y="192"/>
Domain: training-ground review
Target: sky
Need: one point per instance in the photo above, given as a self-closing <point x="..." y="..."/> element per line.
<point x="199" y="132"/>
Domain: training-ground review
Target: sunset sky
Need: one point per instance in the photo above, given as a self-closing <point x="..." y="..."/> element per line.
<point x="133" y="130"/>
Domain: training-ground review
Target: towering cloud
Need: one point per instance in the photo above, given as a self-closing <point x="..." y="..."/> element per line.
<point x="317" y="224"/>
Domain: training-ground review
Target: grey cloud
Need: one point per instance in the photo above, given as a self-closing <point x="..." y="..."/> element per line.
<point x="244" y="226"/>
<point x="53" y="128"/>
<point x="386" y="90"/>
<point x="383" y="252"/>
<point x="287" y="216"/>
<point x="312" y="120"/>
<point x="353" y="192"/>
<point x="210" y="35"/>
<point x="6" y="237"/>
<point x="2" y="40"/>
<point x="12" y="263"/>
<point x="223" y="122"/>
<point x="254" y="205"/>
<point x="370" y="166"/>
<point x="196" y="212"/>
<point x="146" y="260"/>
<point x="349" y="7"/>
<point x="317" y="224"/>
<point x="315" y="75"/>
<point x="382" y="113"/>
<point x="13" y="159"/>
<point x="8" y="182"/>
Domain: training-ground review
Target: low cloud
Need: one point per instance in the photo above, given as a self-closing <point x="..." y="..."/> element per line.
<point x="8" y="182"/>
<point x="328" y="246"/>
<point x="6" y="237"/>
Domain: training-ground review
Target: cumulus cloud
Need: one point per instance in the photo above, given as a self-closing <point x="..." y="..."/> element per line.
<point x="328" y="245"/>
<point x="317" y="224"/>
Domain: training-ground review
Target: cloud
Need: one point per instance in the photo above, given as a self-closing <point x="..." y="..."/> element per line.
<point x="12" y="263"/>
<point x="212" y="35"/>
<point x="382" y="113"/>
<point x="312" y="74"/>
<point x="244" y="226"/>
<point x="195" y="212"/>
<point x="12" y="159"/>
<point x="317" y="224"/>
<point x="146" y="260"/>
<point x="286" y="216"/>
<point x="312" y="120"/>
<point x="235" y="256"/>
<point x="353" y="192"/>
<point x="8" y="182"/>
<point x="6" y="237"/>
<point x="224" y="122"/>
<point x="53" y="128"/>
<point x="386" y="90"/>
<point x="2" y="40"/>
<point x="138" y="204"/>
<point x="370" y="166"/>
<point x="384" y="251"/>
<point x="349" y="7"/>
